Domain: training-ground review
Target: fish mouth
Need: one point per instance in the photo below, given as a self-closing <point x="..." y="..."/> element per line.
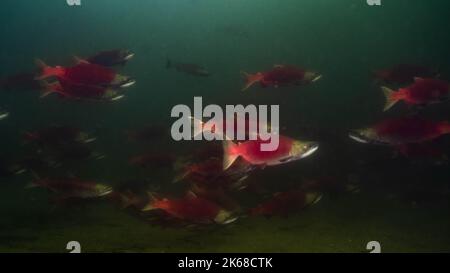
<point x="316" y="78"/>
<point x="358" y="137"/>
<point x="204" y="73"/>
<point x="361" y="138"/>
<point x="312" y="149"/>
<point x="4" y="115"/>
<point x="129" y="56"/>
<point x="128" y="83"/>
<point x="20" y="171"/>
<point x="89" y="140"/>
<point x="118" y="97"/>
<point x="229" y="221"/>
<point x="106" y="192"/>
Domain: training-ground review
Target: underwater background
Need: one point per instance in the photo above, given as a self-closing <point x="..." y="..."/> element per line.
<point x="402" y="203"/>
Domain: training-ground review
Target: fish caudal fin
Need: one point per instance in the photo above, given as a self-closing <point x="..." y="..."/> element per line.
<point x="229" y="154"/>
<point x="47" y="71"/>
<point x="151" y="201"/>
<point x="251" y="79"/>
<point x="391" y="99"/>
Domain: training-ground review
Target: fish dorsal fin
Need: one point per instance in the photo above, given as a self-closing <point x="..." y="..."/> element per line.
<point x="418" y="79"/>
<point x="191" y="195"/>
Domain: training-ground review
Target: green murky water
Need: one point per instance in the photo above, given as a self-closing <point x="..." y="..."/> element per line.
<point x="402" y="202"/>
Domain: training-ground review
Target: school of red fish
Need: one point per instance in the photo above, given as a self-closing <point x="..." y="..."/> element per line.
<point x="209" y="176"/>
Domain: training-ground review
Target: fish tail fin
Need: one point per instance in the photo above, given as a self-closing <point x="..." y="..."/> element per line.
<point x="391" y="98"/>
<point x="251" y="79"/>
<point x="229" y="153"/>
<point x="46" y="71"/>
<point x="168" y="63"/>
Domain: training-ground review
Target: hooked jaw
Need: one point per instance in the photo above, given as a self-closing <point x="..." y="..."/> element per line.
<point x="3" y="115"/>
<point x="358" y="136"/>
<point x="312" y="198"/>
<point x="367" y="136"/>
<point x="128" y="82"/>
<point x="303" y="149"/>
<point x="224" y="217"/>
<point x="309" y="148"/>
<point x="128" y="56"/>
<point x="113" y="95"/>
<point x="85" y="138"/>
<point x="312" y="76"/>
<point x="103" y="190"/>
